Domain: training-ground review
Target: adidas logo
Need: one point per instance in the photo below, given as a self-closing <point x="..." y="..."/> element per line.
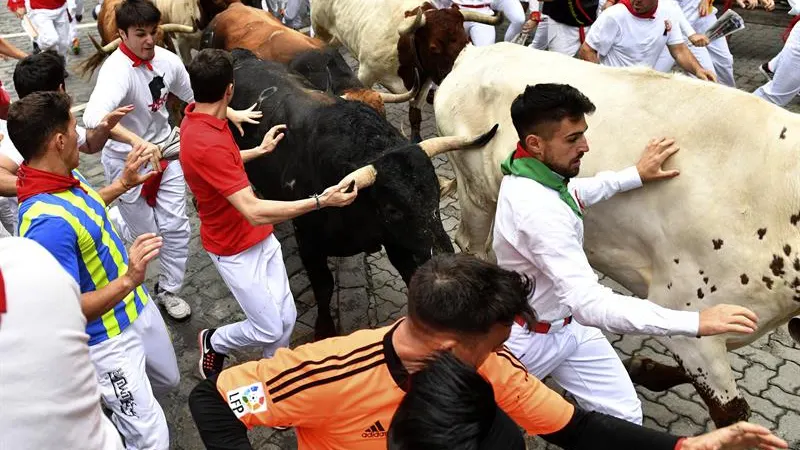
<point x="374" y="431"/>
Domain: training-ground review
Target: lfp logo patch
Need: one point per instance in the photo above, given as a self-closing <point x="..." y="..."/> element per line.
<point x="247" y="400"/>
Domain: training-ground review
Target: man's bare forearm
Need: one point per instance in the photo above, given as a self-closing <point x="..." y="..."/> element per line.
<point x="124" y="135"/>
<point x="684" y="57"/>
<point x="8" y="49"/>
<point x="96" y="303"/>
<point x="95" y="140"/>
<point x="587" y="53"/>
<point x="112" y="191"/>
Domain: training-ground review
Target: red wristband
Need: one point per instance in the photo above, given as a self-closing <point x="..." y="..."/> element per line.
<point x="679" y="444"/>
<point x="536" y="16"/>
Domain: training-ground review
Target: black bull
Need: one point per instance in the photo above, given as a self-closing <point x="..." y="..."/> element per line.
<point x="327" y="139"/>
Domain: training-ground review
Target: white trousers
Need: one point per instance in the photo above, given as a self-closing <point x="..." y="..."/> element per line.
<point x="257" y="279"/>
<point x="297" y="13"/>
<point x="564" y="38"/>
<point x="482" y="34"/>
<point x="540" y="37"/>
<point x="785" y="84"/>
<point x="715" y="57"/>
<point x="130" y="367"/>
<point x="581" y="360"/>
<point x="53" y="28"/>
<point x="74" y="7"/>
<point x="168" y="219"/>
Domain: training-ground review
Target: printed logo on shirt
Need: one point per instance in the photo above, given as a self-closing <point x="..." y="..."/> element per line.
<point x="126" y="403"/>
<point x="376" y="430"/>
<point x="247" y="400"/>
<point x="156" y="85"/>
<point x="667" y="26"/>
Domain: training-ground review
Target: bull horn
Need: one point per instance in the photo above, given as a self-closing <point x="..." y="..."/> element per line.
<point x="436" y="146"/>
<point x="177" y="28"/>
<point x="472" y="16"/>
<point x="364" y="176"/>
<point x="402" y="98"/>
<point x="409" y="26"/>
<point x="108" y="48"/>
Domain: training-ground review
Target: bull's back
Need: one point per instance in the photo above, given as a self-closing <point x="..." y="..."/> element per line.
<point x="733" y="181"/>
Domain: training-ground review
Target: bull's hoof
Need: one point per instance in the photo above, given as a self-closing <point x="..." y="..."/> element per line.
<point x="654" y="376"/>
<point x="736" y="410"/>
<point x="324" y="329"/>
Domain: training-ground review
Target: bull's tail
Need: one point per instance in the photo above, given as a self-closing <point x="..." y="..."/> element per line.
<point x="91" y="64"/>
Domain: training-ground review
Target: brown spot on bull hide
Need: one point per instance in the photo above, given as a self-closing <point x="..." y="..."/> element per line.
<point x="676" y="260"/>
<point x="717" y="243"/>
<point x="795" y="218"/>
<point x="796" y="298"/>
<point x="745" y="279"/>
<point x="767" y="281"/>
<point x="669" y="285"/>
<point x="795" y="283"/>
<point x="700" y="293"/>
<point x="777" y="266"/>
<point x="797" y="264"/>
<point x="761" y="233"/>
<point x="701" y="272"/>
<point x="688" y="304"/>
<point x="713" y="289"/>
<point x="783" y="133"/>
<point x="705" y="280"/>
<point x="787" y="250"/>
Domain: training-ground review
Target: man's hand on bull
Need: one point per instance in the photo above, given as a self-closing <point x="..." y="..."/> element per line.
<point x="705" y="75"/>
<point x="150" y="151"/>
<point x="336" y="195"/>
<point x="724" y="318"/>
<point x="650" y="165"/>
<point x="247" y="115"/>
<point x="740" y="436"/>
<point x="271" y="139"/>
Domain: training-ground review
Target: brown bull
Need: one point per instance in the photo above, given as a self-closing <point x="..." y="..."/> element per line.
<point x="241" y="26"/>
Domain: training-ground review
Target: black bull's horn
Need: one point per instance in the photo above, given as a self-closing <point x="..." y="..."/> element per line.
<point x="409" y="25"/>
<point x="365" y="176"/>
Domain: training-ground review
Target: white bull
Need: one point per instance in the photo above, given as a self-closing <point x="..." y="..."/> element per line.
<point x="390" y="46"/>
<point x="725" y="230"/>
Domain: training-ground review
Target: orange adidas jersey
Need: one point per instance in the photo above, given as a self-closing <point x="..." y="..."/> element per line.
<point x="341" y="393"/>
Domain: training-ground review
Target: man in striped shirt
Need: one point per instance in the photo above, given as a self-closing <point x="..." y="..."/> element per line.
<point x="128" y="341"/>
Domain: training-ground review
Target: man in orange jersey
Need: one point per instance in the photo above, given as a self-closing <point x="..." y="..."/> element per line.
<point x="341" y="393"/>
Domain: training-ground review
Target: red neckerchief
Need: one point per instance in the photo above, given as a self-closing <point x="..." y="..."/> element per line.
<point x="32" y="181"/>
<point x="521" y="152"/>
<point x="648" y="15"/>
<point x="788" y="30"/>
<point x="136" y="60"/>
<point x="150" y="187"/>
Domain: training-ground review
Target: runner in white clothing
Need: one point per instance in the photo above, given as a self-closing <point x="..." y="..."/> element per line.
<point x="783" y="71"/>
<point x="142" y="74"/>
<point x="715" y="56"/>
<point x="483" y="34"/>
<point x="51" y="382"/>
<point x="635" y="32"/>
<point x="544" y="239"/>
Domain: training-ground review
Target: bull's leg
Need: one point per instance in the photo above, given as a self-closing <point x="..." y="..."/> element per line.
<point x="402" y="260"/>
<point x="316" y="264"/>
<point x="475" y="226"/>
<point x="655" y="376"/>
<point x="705" y="362"/>
<point x="415" y="111"/>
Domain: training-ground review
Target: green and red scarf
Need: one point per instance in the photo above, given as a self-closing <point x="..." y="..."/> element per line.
<point x="523" y="164"/>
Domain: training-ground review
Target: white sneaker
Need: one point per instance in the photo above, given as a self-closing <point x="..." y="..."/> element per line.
<point x="176" y="307"/>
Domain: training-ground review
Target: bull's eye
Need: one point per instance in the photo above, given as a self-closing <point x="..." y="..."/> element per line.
<point x="392" y="213"/>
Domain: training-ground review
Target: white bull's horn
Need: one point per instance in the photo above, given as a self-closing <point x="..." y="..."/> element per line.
<point x="472" y="16"/>
<point x="364" y="176"/>
<point x="402" y="98"/>
<point x="111" y="46"/>
<point x="410" y="25"/>
<point x="436" y="146"/>
<point x="177" y="28"/>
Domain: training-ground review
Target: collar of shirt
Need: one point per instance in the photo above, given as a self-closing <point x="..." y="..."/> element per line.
<point x="132" y="56"/>
<point x="208" y="119"/>
<point x="32" y="181"/>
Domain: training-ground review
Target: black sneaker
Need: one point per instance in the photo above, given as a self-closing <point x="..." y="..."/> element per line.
<point x="210" y="361"/>
<point x="764" y="69"/>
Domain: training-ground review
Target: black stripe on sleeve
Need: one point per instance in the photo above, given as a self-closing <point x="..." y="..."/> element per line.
<point x="321" y="361"/>
<point x="512" y="359"/>
<point x="304" y="375"/>
<point x="332" y="379"/>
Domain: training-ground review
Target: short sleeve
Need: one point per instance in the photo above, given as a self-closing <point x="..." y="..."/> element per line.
<point x="183" y="85"/>
<point x="7" y="147"/>
<point x="604" y="33"/>
<point x="58" y="237"/>
<point x="81" y="135"/>
<point x="222" y="168"/>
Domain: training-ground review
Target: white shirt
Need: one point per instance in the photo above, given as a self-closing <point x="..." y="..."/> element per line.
<point x="537" y="234"/>
<point x="48" y="387"/>
<point x="119" y="84"/>
<point x="10" y="151"/>
<point x="622" y="39"/>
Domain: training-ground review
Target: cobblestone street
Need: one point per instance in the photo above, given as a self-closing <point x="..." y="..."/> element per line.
<point x="371" y="293"/>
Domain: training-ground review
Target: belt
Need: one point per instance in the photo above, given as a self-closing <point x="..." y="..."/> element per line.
<point x="544" y="327"/>
<point x="482" y="5"/>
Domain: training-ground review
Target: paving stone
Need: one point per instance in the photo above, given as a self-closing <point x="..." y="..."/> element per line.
<point x="788" y="379"/>
<point x="790" y="428"/>
<point x="756" y="379"/>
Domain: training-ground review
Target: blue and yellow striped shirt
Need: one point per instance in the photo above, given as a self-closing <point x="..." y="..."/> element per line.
<point x="74" y="227"/>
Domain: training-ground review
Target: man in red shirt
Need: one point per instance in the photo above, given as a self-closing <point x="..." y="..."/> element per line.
<point x="235" y="226"/>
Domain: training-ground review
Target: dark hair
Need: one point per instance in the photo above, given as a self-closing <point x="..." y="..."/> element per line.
<point x="449" y="406"/>
<point x="33" y="120"/>
<point x="136" y="13"/>
<point x="461" y="293"/>
<point x="44" y="71"/>
<point x="547" y="103"/>
<point x="210" y="72"/>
